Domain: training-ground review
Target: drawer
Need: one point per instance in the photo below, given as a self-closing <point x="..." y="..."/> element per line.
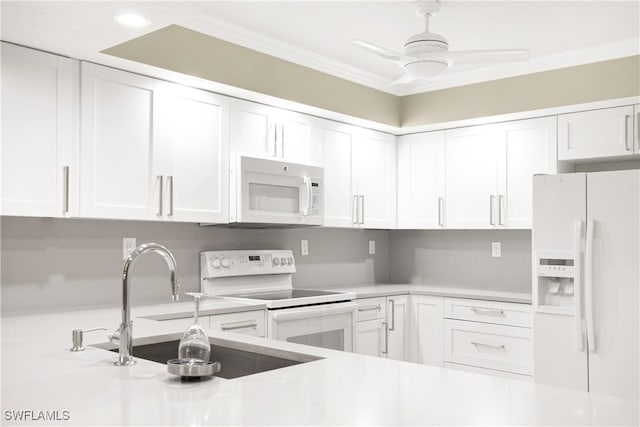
<point x="476" y="370"/>
<point x="499" y="313"/>
<point x="245" y="323"/>
<point x="499" y="347"/>
<point x="371" y="308"/>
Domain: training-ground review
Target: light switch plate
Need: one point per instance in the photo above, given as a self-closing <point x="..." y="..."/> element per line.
<point x="304" y="247"/>
<point x="128" y="245"/>
<point x="496" y="249"/>
<point x="372" y="247"/>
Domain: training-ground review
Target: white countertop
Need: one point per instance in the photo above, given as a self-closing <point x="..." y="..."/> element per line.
<point x="384" y="289"/>
<point x="40" y="374"/>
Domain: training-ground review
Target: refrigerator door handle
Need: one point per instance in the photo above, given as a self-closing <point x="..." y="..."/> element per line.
<point x="578" y="284"/>
<point x="588" y="286"/>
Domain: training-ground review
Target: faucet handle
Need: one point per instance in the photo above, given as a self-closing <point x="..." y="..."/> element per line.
<point x="76" y="336"/>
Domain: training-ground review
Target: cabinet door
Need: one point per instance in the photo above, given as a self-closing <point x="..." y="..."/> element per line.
<point x="421" y="180"/>
<point x="39" y="141"/>
<point x="296" y="142"/>
<point x="194" y="129"/>
<point x="427" y="329"/>
<point x="472" y="176"/>
<point x="529" y="149"/>
<point x="254" y="130"/>
<point x="337" y="145"/>
<point x="595" y="134"/>
<point x="398" y="321"/>
<point x="120" y="160"/>
<point x="375" y="156"/>
<point x="370" y="337"/>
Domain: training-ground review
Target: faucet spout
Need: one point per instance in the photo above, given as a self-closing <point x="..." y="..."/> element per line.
<point x="125" y="357"/>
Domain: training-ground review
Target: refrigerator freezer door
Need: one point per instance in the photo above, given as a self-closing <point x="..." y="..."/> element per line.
<point x="613" y="205"/>
<point x="559" y="202"/>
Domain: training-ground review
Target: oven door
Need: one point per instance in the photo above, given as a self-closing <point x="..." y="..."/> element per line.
<point x="326" y="325"/>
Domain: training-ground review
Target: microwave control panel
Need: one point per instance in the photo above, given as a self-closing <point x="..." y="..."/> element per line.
<point x="316" y="203"/>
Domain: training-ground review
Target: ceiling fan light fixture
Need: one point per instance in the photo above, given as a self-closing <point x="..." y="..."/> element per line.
<point x="424" y="69"/>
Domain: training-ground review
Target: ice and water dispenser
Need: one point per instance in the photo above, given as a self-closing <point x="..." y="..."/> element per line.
<point x="556" y="275"/>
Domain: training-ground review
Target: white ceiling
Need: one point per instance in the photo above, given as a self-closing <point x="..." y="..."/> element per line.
<point x="318" y="34"/>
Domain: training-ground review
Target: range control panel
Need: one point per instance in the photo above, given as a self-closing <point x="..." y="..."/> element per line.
<point x="215" y="264"/>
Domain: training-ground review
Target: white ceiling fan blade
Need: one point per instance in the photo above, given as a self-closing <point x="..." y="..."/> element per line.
<point x="405" y="79"/>
<point x="481" y="56"/>
<point x="381" y="51"/>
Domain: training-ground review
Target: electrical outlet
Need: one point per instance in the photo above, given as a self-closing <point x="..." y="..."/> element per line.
<point x="304" y="247"/>
<point x="372" y="247"/>
<point x="496" y="249"/>
<point x="128" y="245"/>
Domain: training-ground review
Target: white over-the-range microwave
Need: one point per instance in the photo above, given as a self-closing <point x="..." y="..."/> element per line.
<point x="276" y="192"/>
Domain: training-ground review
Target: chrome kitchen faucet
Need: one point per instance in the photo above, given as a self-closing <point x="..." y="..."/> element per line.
<point x="123" y="336"/>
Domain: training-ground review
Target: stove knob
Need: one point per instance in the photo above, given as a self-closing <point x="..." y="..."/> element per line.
<point x="276" y="261"/>
<point x="289" y="260"/>
<point x="283" y="261"/>
<point x="225" y="263"/>
<point x="215" y="263"/>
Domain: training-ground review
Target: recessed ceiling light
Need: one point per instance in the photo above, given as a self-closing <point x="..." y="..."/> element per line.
<point x="131" y="20"/>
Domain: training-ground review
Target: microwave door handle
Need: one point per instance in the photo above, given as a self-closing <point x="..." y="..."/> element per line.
<point x="304" y="201"/>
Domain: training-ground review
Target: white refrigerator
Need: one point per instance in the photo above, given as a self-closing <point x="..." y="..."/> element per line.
<point x="586" y="275"/>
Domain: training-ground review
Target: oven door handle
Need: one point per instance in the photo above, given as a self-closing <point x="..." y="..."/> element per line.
<point x="309" y="312"/>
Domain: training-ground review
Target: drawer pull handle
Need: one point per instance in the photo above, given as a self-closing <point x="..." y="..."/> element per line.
<point x="487" y="311"/>
<point x="488" y="345"/>
<point x="377" y="308"/>
<point x="238" y="325"/>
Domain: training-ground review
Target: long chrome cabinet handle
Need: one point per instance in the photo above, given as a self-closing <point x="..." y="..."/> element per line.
<point x="354" y="210"/>
<point x="500" y="204"/>
<point x="491" y="199"/>
<point x="281" y="140"/>
<point x="440" y="211"/>
<point x="239" y="325"/>
<point x="160" y="191"/>
<point x="488" y="345"/>
<point x="65" y="183"/>
<point x="490" y="311"/>
<point x="170" y="183"/>
<point x="638" y="130"/>
<point x="588" y="287"/>
<point x="385" y="325"/>
<point x="393" y="315"/>
<point x="626" y="132"/>
<point x="275" y="140"/>
<point x="361" y="209"/>
<point x="371" y="308"/>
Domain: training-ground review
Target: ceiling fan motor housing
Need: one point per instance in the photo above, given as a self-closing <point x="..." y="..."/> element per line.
<point x="420" y="45"/>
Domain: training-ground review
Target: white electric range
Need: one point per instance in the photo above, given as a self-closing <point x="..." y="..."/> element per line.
<point x="305" y="316"/>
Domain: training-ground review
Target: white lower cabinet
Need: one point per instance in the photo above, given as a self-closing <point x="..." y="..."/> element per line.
<point x="245" y="323"/>
<point x="489" y="335"/>
<point x="426" y="329"/>
<point x="381" y="327"/>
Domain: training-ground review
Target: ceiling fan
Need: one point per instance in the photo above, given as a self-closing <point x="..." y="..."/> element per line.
<point x="427" y="54"/>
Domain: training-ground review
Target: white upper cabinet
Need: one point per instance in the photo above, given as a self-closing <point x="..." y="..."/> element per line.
<point x="360" y="175"/>
<point x="472" y="156"/>
<point x="590" y="135"/>
<point x="374" y="160"/>
<point x="152" y="150"/>
<point x="529" y="149"/>
<point x="121" y="166"/>
<point x="489" y="172"/>
<point x="39" y="133"/>
<point x="337" y="143"/>
<point x="269" y="132"/>
<point x="421" y="180"/>
<point x="194" y="129"/>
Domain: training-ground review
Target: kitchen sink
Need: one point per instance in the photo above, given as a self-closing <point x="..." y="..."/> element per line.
<point x="236" y="359"/>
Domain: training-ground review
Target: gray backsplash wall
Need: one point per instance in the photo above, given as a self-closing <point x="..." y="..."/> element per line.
<point x="462" y="258"/>
<point x="65" y="264"/>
